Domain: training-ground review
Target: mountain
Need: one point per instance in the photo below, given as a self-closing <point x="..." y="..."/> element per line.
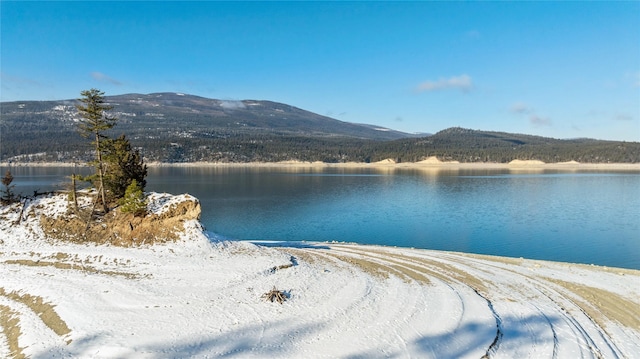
<point x="466" y="145"/>
<point x="172" y="111"/>
<point x="173" y="127"/>
<point x="30" y="127"/>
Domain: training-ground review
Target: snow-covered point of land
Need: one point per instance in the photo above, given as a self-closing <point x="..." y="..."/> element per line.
<point x="202" y="297"/>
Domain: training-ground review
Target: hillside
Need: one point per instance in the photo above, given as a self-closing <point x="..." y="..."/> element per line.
<point x="160" y="122"/>
<point x="170" y="127"/>
<point x="465" y="145"/>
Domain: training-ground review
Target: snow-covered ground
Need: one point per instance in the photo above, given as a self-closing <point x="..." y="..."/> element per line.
<point x="202" y="297"/>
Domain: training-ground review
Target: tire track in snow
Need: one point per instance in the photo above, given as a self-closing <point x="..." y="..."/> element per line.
<point x="493" y="348"/>
<point x="402" y="309"/>
<point x="553" y="331"/>
<point x="496" y="269"/>
<point x="410" y="266"/>
<point x="460" y="277"/>
<point x="565" y="295"/>
<point x="342" y="316"/>
<point x="593" y="347"/>
<point x="418" y="273"/>
<point x="486" y="273"/>
<point x="574" y="324"/>
<point x="427" y="269"/>
<point x="575" y="327"/>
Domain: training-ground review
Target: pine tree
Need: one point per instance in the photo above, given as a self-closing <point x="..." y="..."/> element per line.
<point x="134" y="200"/>
<point x="123" y="165"/>
<point x="7" y="193"/>
<point x="92" y="125"/>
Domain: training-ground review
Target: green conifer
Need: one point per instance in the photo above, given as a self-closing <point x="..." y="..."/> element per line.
<point x="134" y="200"/>
<point x="7" y="193"/>
<point x="94" y="121"/>
<point x="123" y="164"/>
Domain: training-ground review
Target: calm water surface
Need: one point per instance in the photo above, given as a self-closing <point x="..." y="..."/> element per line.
<point x="585" y="217"/>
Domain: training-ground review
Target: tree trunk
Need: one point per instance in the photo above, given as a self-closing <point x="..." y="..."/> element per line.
<point x="105" y="209"/>
<point x="74" y="195"/>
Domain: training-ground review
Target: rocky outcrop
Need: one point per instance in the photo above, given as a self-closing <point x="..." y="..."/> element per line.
<point x="164" y="222"/>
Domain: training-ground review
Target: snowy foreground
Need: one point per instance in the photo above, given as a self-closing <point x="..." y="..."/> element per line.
<point x="202" y="297"/>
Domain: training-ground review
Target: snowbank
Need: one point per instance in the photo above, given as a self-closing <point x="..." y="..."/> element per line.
<point x="202" y="297"/>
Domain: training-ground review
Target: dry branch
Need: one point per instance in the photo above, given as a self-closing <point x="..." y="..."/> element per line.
<point x="275" y="295"/>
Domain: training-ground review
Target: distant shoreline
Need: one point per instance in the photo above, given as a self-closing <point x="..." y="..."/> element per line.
<point x="427" y="164"/>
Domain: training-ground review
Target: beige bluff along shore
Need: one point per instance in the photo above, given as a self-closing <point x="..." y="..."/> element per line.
<point x="431" y="162"/>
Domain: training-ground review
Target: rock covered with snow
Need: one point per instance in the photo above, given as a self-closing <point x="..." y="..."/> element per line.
<point x="165" y="204"/>
<point x="54" y="217"/>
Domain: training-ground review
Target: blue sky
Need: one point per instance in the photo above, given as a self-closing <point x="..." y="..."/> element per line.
<point x="558" y="69"/>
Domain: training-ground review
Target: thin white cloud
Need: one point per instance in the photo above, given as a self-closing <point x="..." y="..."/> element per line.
<point x="538" y="121"/>
<point x="99" y="76"/>
<point x="17" y="80"/>
<point x="521" y="108"/>
<point x="16" y="88"/>
<point x="631" y="78"/>
<point x="623" y="117"/>
<point x="462" y="83"/>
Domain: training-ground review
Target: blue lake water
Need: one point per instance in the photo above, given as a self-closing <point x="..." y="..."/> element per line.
<point x="583" y="217"/>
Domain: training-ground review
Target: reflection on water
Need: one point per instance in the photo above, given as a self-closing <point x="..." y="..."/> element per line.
<point x="587" y="217"/>
<point x="42" y="179"/>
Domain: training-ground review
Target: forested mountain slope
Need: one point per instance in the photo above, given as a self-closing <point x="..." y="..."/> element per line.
<point x="167" y="119"/>
<point x="464" y="145"/>
<point x="170" y="127"/>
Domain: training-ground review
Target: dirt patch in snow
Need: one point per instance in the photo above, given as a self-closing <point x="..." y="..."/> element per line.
<point x="44" y="310"/>
<point x="370" y="267"/>
<point x="10" y="324"/>
<point x="602" y="303"/>
<point x="72" y="266"/>
<point x="416" y="268"/>
<point x="303" y="255"/>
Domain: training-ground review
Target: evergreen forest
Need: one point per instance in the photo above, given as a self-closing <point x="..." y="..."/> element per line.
<point x="173" y="129"/>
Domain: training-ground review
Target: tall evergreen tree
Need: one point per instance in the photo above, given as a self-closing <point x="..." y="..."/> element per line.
<point x="93" y="123"/>
<point x="123" y="165"/>
<point x="7" y="193"/>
